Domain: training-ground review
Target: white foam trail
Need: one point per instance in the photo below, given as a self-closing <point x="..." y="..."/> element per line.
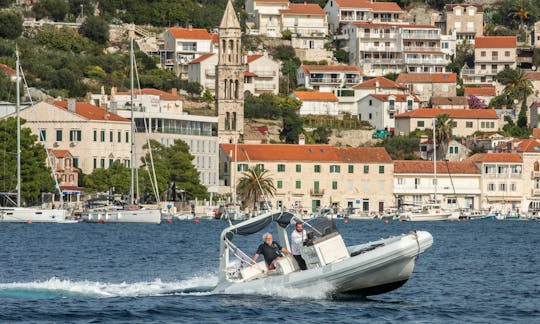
<point x="319" y="291"/>
<point x="200" y="285"/>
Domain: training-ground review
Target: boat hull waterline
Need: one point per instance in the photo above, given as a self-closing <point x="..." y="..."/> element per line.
<point x="149" y="216"/>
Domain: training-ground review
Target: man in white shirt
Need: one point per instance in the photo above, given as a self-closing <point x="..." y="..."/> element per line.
<point x="298" y="237"/>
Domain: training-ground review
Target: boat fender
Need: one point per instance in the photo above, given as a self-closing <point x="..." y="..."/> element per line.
<point x="415" y="233"/>
<point x="29" y="222"/>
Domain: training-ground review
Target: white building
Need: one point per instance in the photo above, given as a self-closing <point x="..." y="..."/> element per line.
<point x="327" y="78"/>
<point x="317" y="103"/>
<point x="380" y="109"/>
<point x="341" y="12"/>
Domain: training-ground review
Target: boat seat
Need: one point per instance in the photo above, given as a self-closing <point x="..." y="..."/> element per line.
<point x="255" y="271"/>
<point x="286" y="264"/>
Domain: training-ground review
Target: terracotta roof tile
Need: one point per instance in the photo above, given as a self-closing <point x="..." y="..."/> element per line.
<point x="201" y="58"/>
<point x="367" y="4"/>
<point x="315" y="96"/>
<point x="427" y="167"/>
<point x="252" y="58"/>
<point x="190" y="33"/>
<point x="453" y="113"/>
<point x="481" y="91"/>
<point x="7" y="70"/>
<point x="496" y="157"/>
<point x="154" y="92"/>
<point x="247" y="73"/>
<point x="331" y="68"/>
<point x="307" y="153"/>
<point x="530" y="145"/>
<point x="59" y="153"/>
<point x="536" y="132"/>
<point x="303" y="9"/>
<point x="215" y="38"/>
<point x="454" y="101"/>
<point x="533" y="75"/>
<point x="89" y="111"/>
<point x="383" y="83"/>
<point x="495" y="42"/>
<point x="427" y="78"/>
<point x="398" y="97"/>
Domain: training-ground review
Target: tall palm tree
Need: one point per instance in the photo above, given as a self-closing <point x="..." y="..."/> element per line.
<point x="516" y="84"/>
<point x="443" y="134"/>
<point x="254" y="184"/>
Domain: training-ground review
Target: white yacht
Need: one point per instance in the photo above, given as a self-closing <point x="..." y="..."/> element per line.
<point x="426" y="212"/>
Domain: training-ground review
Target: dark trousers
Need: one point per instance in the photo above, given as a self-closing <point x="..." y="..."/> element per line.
<point x="300" y="261"/>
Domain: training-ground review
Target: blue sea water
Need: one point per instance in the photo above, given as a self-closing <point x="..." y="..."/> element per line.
<point x="475" y="272"/>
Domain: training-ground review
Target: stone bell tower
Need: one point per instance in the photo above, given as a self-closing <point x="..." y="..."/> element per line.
<point x="230" y="79"/>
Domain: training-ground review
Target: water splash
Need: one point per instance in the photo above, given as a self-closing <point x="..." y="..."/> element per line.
<point x="65" y="288"/>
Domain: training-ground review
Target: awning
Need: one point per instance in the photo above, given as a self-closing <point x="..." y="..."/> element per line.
<point x="259" y="223"/>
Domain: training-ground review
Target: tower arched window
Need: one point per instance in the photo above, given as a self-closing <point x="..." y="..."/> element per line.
<point x="236" y="91"/>
<point x="225" y="88"/>
<point x="234" y="121"/>
<point x="536" y="166"/>
<point x="227" y="121"/>
<point x="230" y="51"/>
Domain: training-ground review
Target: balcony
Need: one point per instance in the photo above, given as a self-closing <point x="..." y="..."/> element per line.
<point x="316" y="193"/>
<point x="420" y="36"/>
<point x="378" y="36"/>
<point x="378" y="49"/>
<point x="535" y="191"/>
<point x="352" y="80"/>
<point x="421" y="48"/>
<point x="326" y="80"/>
<point x="210" y="72"/>
<point x="467" y="71"/>
<point x="536" y="174"/>
<point x="265" y="86"/>
<point x="265" y="74"/>
<point x="390" y="61"/>
<point x="426" y="61"/>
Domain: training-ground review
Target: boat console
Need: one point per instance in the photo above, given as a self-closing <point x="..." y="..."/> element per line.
<point x="323" y="246"/>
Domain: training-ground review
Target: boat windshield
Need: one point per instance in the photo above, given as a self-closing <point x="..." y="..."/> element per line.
<point x="320" y="228"/>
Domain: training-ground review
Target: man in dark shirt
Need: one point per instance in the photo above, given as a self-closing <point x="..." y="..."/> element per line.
<point x="271" y="251"/>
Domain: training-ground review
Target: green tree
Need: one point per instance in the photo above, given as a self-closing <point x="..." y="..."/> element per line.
<point x="81" y="7"/>
<point x="96" y="29"/>
<point x="341" y="56"/>
<point x="7" y="88"/>
<point x="35" y="175"/>
<point x="401" y="147"/>
<point x="255" y="183"/>
<point x="292" y="127"/>
<point x="516" y="84"/>
<point x="194" y="88"/>
<point x="173" y="164"/>
<point x="321" y="135"/>
<point x="443" y="134"/>
<point x="117" y="176"/>
<point x="11" y="24"/>
<point x="54" y="9"/>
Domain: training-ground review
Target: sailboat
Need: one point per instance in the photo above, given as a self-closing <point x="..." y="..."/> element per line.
<point x="431" y="211"/>
<point x="20" y="214"/>
<point x="130" y="213"/>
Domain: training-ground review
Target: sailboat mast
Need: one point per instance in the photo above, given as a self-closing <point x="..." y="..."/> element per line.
<point x="132" y="137"/>
<point x="434" y="160"/>
<point x="17" y="107"/>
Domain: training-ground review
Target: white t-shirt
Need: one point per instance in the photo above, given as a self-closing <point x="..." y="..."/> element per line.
<point x="297" y="238"/>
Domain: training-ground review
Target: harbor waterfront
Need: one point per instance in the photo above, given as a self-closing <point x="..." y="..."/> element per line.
<point x="476" y="271"/>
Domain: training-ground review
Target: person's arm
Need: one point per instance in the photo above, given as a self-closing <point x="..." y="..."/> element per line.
<point x="286" y="251"/>
<point x="255" y="257"/>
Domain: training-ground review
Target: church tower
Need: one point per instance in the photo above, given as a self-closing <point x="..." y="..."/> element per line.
<point x="230" y="79"/>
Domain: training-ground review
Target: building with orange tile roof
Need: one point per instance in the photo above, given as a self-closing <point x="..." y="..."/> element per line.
<point x="93" y="136"/>
<point x="483" y="93"/>
<point x="458" y="184"/>
<point x="182" y="45"/>
<point x="308" y="177"/>
<point x="317" y="103"/>
<point x="346" y="11"/>
<point x="466" y="121"/>
<point x="427" y="85"/>
<point x="380" y="109"/>
<point x="492" y="54"/>
<point x="67" y="174"/>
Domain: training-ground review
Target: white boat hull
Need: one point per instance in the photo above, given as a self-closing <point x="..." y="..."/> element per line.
<point x="373" y="268"/>
<point x="420" y="217"/>
<point x="149" y="216"/>
<point x="34" y="215"/>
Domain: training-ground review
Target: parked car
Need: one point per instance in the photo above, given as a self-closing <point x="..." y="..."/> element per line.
<point x="381" y="133"/>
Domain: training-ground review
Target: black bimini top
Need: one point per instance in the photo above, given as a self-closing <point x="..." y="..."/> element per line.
<point x="252" y="226"/>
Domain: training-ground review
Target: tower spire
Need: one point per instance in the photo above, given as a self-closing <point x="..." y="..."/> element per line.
<point x="229" y="19"/>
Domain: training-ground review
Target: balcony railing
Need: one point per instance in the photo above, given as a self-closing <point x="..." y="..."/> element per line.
<point x="420" y="36"/>
<point x="210" y="72"/>
<point x="265" y="74"/>
<point x="265" y="86"/>
<point x="426" y="61"/>
<point x="395" y="61"/>
<point x="421" y="48"/>
<point x="352" y="80"/>
<point x="326" y="80"/>
<point x="378" y="35"/>
<point x="378" y="49"/>
<point x="316" y="193"/>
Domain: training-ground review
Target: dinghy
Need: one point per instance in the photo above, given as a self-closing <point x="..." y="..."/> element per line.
<point x="365" y="269"/>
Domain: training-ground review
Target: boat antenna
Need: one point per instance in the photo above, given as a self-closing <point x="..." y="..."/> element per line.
<point x="18" y="108"/>
<point x="434" y="160"/>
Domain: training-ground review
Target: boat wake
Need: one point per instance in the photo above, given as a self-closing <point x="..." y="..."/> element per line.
<point x="65" y="288"/>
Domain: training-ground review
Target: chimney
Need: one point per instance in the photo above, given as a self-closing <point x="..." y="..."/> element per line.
<point x="174" y="91"/>
<point x="107" y="116"/>
<point x="71" y="104"/>
<point x="301" y="139"/>
<point x="103" y="106"/>
<point x="113" y="92"/>
<point x="377" y="86"/>
<point x="190" y="27"/>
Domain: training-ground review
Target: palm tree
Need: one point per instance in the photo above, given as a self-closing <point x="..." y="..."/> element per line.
<point x="255" y="183"/>
<point x="516" y="84"/>
<point x="443" y="134"/>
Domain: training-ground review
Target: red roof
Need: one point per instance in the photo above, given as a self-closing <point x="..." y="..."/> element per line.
<point x="201" y="58"/>
<point x="7" y="70"/>
<point x="495" y="42"/>
<point x="367" y="4"/>
<point x="383" y="83"/>
<point x="215" y="38"/>
<point x="91" y="112"/>
<point x="453" y="113"/>
<point x="462" y="167"/>
<point x="533" y="75"/>
<point x="59" y="153"/>
<point x="247" y="73"/>
<point x="530" y="145"/>
<point x="154" y="92"/>
<point x="190" y="33"/>
<point x="427" y="78"/>
<point x="482" y="91"/>
<point x="303" y="9"/>
<point x="308" y="153"/>
<point x="315" y="96"/>
<point x="496" y="157"/>
<point x="450" y="7"/>
<point x="398" y="97"/>
<point x="252" y="58"/>
<point x="330" y="68"/>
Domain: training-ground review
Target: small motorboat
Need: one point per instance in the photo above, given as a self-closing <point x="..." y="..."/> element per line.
<point x="365" y="269"/>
